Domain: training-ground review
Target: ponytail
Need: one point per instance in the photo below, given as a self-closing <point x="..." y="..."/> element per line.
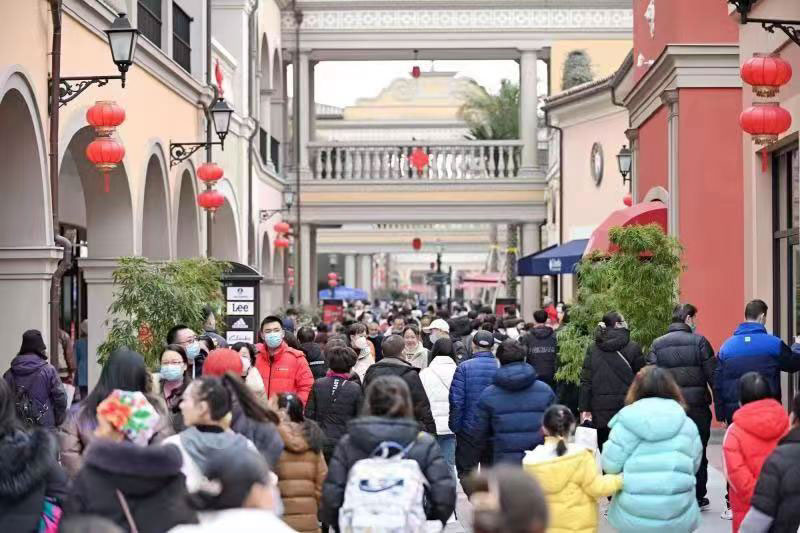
<point x="558" y="420"/>
<point x="250" y="406"/>
<point x="561" y="447"/>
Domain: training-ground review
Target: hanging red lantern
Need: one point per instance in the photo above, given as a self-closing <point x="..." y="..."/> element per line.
<point x="766" y="73"/>
<point x="415" y="71"/>
<point x="209" y="173"/>
<point x="627" y="200"/>
<point x="104" y="116"/>
<point x="210" y="200"/>
<point x="105" y="153"/>
<point x="281" y="242"/>
<point x="765" y="121"/>
<point x="282" y="227"/>
<point x="419" y="160"/>
<point x="333" y="275"/>
<point x="416" y="244"/>
<point x="332" y="283"/>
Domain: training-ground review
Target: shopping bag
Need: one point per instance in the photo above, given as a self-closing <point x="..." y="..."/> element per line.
<point x="586" y="436"/>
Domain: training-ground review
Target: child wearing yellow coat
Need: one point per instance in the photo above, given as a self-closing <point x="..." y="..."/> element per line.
<point x="568" y="475"/>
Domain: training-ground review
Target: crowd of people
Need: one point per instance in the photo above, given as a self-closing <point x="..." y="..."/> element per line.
<point x="373" y="422"/>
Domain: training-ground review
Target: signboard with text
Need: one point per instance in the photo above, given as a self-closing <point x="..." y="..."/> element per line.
<point x="241" y="290"/>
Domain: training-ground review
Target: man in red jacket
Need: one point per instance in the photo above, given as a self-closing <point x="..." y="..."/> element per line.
<point x="283" y="369"/>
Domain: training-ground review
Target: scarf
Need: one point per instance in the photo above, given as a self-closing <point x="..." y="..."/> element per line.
<point x="342" y="375"/>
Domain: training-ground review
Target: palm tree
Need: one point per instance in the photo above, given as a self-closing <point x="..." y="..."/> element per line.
<point x="493" y="117"/>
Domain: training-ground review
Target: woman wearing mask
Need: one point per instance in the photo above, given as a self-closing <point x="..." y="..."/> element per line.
<point x="436" y="379"/>
<point x="186" y="338"/>
<point x="365" y="355"/>
<point x="125" y="480"/>
<point x="250" y="375"/>
<point x="414" y="351"/>
<point x="657" y="448"/>
<point x="389" y="417"/>
<point x="301" y="468"/>
<point x="610" y="364"/>
<point x="174" y="378"/>
<point x="124" y="370"/>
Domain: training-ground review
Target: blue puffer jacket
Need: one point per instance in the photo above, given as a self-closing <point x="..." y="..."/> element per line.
<point x="510" y="413"/>
<point x="657" y="449"/>
<point x="469" y="381"/>
<point x="750" y="349"/>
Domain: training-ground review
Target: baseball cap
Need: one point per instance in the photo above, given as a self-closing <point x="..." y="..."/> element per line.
<point x="438" y="324"/>
<point x="484" y="339"/>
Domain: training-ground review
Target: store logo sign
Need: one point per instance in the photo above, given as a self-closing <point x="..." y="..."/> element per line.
<point x="554" y="265"/>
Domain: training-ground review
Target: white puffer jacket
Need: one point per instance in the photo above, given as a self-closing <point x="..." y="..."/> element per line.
<point x="436" y="380"/>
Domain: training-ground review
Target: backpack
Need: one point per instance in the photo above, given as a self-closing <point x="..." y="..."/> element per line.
<point x="384" y="494"/>
<point x="29" y="411"/>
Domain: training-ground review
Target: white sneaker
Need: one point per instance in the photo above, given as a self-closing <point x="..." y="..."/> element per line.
<point x="727" y="514"/>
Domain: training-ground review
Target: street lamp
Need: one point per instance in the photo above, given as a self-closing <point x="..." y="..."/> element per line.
<point x="288" y="201"/>
<point x="624" y="161"/>
<point x="220" y="114"/>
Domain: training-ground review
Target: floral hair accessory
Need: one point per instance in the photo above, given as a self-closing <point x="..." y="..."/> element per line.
<point x="131" y="414"/>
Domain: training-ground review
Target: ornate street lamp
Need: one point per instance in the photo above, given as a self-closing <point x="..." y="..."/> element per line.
<point x="624" y="161"/>
<point x="288" y="201"/>
<point x="220" y="114"/>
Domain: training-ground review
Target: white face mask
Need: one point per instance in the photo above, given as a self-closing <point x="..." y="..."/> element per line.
<point x="245" y="364"/>
<point x="360" y="343"/>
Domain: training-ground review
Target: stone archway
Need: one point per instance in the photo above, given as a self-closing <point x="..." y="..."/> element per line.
<point x="225" y="244"/>
<point x="266" y="256"/>
<point x="187" y="243"/>
<point x="155" y="211"/>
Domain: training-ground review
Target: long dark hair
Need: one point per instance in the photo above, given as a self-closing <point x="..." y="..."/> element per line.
<point x="558" y="420"/>
<point x="506" y="500"/>
<point x="124" y="370"/>
<point x="654" y="382"/>
<point x="388" y="396"/>
<point x="180" y="350"/>
<point x="442" y="347"/>
<point x="293" y="405"/>
<point x="211" y="390"/>
<point x="242" y="395"/>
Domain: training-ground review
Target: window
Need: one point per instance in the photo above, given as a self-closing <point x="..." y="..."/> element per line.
<point x="275" y="151"/>
<point x="149" y="20"/>
<point x="181" y="38"/>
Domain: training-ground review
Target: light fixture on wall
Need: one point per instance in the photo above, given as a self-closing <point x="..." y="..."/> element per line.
<point x="288" y="202"/>
<point x="624" y="161"/>
<point x="220" y="114"/>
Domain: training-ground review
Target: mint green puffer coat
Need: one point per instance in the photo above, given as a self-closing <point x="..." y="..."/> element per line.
<point x="657" y="449"/>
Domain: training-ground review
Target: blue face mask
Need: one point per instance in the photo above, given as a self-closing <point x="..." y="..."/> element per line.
<point x="192" y="351"/>
<point x="171" y="372"/>
<point x="273" y="340"/>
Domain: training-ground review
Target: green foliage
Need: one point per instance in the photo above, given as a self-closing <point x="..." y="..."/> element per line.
<point x="640" y="281"/>
<point x="577" y="69"/>
<point x="151" y="298"/>
<point x="493" y="117"/>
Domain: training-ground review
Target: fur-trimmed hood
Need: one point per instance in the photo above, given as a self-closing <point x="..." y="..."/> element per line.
<point x="25" y="461"/>
<point x="128" y="459"/>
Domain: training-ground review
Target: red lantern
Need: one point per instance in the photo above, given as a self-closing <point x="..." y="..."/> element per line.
<point x="332" y="283"/>
<point x="416" y="243"/>
<point x="104" y="116"/>
<point x="627" y="200"/>
<point x="419" y="160"/>
<point x="766" y="73"/>
<point x="282" y="227"/>
<point x="105" y="153"/>
<point x="210" y="200"/>
<point x="333" y="275"/>
<point x="281" y="242"/>
<point x="209" y="172"/>
<point x="765" y="121"/>
<point x="415" y="72"/>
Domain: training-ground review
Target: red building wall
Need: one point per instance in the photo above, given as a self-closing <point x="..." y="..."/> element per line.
<point x="651" y="163"/>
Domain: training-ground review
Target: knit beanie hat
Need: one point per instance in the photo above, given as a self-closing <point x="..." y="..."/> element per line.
<point x="222" y="360"/>
<point x="32" y="342"/>
<point x="131" y="414"/>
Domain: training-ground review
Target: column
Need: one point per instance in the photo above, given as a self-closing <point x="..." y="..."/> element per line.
<point x="301" y="123"/>
<point x="350" y="270"/>
<point x="312" y="245"/>
<point x="265" y="122"/>
<point x="304" y="280"/>
<point x="531" y="294"/>
<point x="100" y="293"/>
<point x="633" y="142"/>
<point x="25" y="275"/>
<point x="670" y="99"/>
<point x="312" y="108"/>
<point x="365" y="273"/>
<point x="528" y="121"/>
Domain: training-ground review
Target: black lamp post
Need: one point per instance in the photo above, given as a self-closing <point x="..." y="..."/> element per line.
<point x="624" y="161"/>
<point x="221" y="117"/>
<point x="288" y="201"/>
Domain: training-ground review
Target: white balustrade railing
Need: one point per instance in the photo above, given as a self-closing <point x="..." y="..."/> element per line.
<point x="457" y="160"/>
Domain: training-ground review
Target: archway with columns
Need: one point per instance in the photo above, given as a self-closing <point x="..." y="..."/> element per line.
<point x="155" y="208"/>
<point x="187" y="239"/>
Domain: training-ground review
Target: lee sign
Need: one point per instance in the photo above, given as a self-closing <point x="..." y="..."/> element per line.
<point x="241" y="308"/>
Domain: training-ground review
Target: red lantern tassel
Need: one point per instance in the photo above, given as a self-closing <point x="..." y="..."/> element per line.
<point x="107" y="182"/>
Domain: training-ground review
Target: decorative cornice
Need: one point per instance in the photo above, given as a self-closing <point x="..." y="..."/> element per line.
<point x="632" y="134"/>
<point x="670" y="97"/>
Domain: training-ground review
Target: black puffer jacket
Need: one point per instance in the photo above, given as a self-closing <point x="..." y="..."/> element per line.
<point x="363" y="437"/>
<point x="777" y="492"/>
<point x="264" y="435"/>
<point x="541" y="347"/>
<point x="148" y="477"/>
<point x="391" y="366"/>
<point x="29" y="472"/>
<point x="333" y="413"/>
<point x="691" y="361"/>
<point x="606" y="377"/>
<point x="316" y="361"/>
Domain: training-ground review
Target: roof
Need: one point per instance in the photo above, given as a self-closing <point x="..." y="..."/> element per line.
<point x="590" y="87"/>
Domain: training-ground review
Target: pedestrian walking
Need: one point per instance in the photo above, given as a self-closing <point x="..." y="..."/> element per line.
<point x="250" y="375"/>
<point x="775" y="505"/>
<point x="510" y="410"/>
<point x="136" y="486"/>
<point x="210" y="328"/>
<point x="758" y="425"/>
<point x="568" y="475"/>
<point x="124" y="370"/>
<point x="283" y="369"/>
<point x="206" y="407"/>
<point x="610" y="364"/>
<point x="506" y="500"/>
<point x="469" y="381"/>
<point x="414" y="352"/>
<point x="395" y="364"/>
<point x="365" y="352"/>
<point x="335" y="399"/>
<point x="244" y="500"/>
<point x="82" y="360"/>
<point x="312" y="351"/>
<point x="436" y="379"/>
<point x="657" y="448"/>
<point x="173" y="379"/>
<point x="389" y="420"/>
<point x="690" y="359"/>
<point x="39" y="395"/>
<point x="33" y="486"/>
<point x="541" y="347"/>
<point x="302" y="467"/>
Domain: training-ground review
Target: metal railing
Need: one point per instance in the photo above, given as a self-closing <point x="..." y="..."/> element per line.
<point x="457" y="160"/>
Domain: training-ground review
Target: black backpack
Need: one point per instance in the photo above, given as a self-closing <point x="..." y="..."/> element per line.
<point x="29" y="411"/>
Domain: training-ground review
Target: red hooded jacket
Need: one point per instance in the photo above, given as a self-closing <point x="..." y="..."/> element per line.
<point x="286" y="371"/>
<point x="756" y="429"/>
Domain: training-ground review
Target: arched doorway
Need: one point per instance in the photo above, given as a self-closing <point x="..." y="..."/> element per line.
<point x="155" y="211"/>
<point x="278" y="114"/>
<point x="225" y="244"/>
<point x="188" y="233"/>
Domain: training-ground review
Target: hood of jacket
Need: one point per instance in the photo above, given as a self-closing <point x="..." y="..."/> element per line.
<point x="300" y="437"/>
<point x="542" y="332"/>
<point x="368" y="432"/>
<point x="201" y="445"/>
<point x="402" y="364"/>
<point x="750" y="328"/>
<point x="652" y="419"/>
<point x="25" y="461"/>
<point x="762" y="419"/>
<point x="612" y="339"/>
<point x="28" y="363"/>
<point x="515" y="376"/>
<point x="419" y="351"/>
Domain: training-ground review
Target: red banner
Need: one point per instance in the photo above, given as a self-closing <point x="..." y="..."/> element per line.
<point x="332" y="311"/>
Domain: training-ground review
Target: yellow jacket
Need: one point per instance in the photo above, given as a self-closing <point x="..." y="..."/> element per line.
<point x="572" y="485"/>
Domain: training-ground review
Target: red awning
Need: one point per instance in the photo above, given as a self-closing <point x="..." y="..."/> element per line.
<point x="636" y="215"/>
